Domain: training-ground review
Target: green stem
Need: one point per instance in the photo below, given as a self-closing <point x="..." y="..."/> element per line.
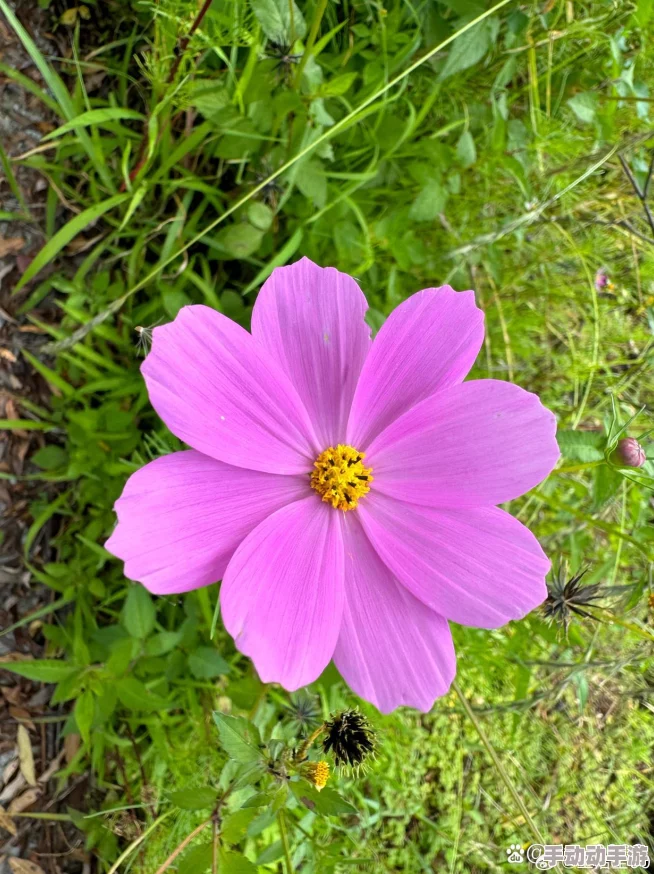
<point x="313" y="33"/>
<point x="284" y="836"/>
<point x="498" y="764"/>
<point x="573" y="468"/>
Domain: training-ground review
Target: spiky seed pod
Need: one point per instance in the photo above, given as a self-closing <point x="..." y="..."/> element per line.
<point x="567" y="597"/>
<point x="302" y="711"/>
<point x="350" y="737"/>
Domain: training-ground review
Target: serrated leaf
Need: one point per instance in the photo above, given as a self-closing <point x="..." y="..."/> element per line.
<point x="327" y="802"/>
<point x="584" y="106"/>
<point x="234" y="826"/>
<point x="198" y="798"/>
<point x="274" y="16"/>
<point x="43" y="670"/>
<point x="239" y="737"/>
<point x="138" y="612"/>
<point x="469" y="48"/>
<point x="581" y="446"/>
<point x="235" y="863"/>
<point x="198" y="860"/>
<point x="429" y="203"/>
<point x="205" y="663"/>
<point x="25" y="755"/>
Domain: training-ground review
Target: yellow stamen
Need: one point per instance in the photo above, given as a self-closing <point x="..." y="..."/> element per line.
<point x="317" y="773"/>
<point x="340" y="477"/>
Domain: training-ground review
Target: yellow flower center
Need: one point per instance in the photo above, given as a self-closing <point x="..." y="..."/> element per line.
<point x="317" y="773"/>
<point x="340" y="478"/>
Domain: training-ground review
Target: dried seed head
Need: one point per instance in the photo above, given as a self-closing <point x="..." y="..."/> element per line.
<point x="350" y="737"/>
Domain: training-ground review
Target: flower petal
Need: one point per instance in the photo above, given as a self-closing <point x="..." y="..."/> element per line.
<point x="282" y="594"/>
<point x="428" y="343"/>
<point x="217" y="390"/>
<point x="181" y="517"/>
<point x="473" y="445"/>
<point x="310" y="319"/>
<point x="392" y="649"/>
<point x="478" y="567"/>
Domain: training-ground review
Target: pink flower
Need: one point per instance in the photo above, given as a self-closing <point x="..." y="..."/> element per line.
<point x="365" y="565"/>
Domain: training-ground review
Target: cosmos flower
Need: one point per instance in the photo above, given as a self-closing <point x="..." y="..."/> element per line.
<point x="345" y="490"/>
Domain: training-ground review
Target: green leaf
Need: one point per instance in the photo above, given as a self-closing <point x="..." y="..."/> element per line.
<point x="134" y="695"/>
<point x="239" y="240"/>
<point x="198" y="860"/>
<point x="469" y="48"/>
<point x="235" y="825"/>
<point x="274" y="16"/>
<point x="271" y="854"/>
<point x="429" y="203"/>
<point x="94" y="116"/>
<point x="260" y="215"/>
<point x="205" y="663"/>
<point x="235" y="863"/>
<point x="465" y="149"/>
<point x="312" y="182"/>
<point x="337" y="85"/>
<point x="606" y="483"/>
<point x="200" y="798"/>
<point x="67" y="233"/>
<point x="84" y="713"/>
<point x="327" y="802"/>
<point x="239" y="737"/>
<point x="162" y="643"/>
<point x="584" y="106"/>
<point x="44" y="670"/>
<point x="50" y="457"/>
<point x="138" y="614"/>
<point x="581" y="446"/>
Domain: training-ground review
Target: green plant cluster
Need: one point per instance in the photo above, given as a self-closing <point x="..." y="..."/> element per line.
<point x="205" y="158"/>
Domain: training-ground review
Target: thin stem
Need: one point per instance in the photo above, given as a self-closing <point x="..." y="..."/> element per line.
<point x="639" y="194"/>
<point x="128" y="852"/>
<point x="184" y="43"/>
<point x="284" y="837"/>
<point x="573" y="468"/>
<point x="313" y="33"/>
<point x="302" y="752"/>
<point x="184" y="844"/>
<point x="498" y="764"/>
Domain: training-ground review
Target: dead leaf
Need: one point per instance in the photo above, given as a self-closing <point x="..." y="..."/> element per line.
<point x="25" y="755"/>
<point x="7" y="823"/>
<point x="54" y="765"/>
<point x="9" y="771"/>
<point x="22" y="866"/>
<point x="8" y="355"/>
<point x="12" y="789"/>
<point x="22" y="716"/>
<point x="27" y="799"/>
<point x="71" y="746"/>
<point x="16" y="656"/>
<point x="9" y="245"/>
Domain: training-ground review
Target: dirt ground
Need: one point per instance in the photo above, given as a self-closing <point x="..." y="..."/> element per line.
<point x="32" y="744"/>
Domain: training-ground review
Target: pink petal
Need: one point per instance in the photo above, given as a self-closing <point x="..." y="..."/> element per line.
<point x="282" y="594"/>
<point x="310" y="319"/>
<point x="181" y="517"/>
<point x="217" y="390"/>
<point x="392" y="649"/>
<point x="473" y="445"/>
<point x="428" y="343"/>
<point x="478" y="567"/>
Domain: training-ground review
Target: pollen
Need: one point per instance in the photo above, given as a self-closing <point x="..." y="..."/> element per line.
<point x="317" y="773"/>
<point x="340" y="477"/>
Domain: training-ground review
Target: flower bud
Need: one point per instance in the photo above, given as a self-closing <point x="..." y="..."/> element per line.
<point x="316" y="773"/>
<point x="629" y="453"/>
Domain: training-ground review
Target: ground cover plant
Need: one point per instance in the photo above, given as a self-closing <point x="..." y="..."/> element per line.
<point x="190" y="149"/>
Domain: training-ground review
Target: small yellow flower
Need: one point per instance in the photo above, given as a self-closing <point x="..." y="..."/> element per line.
<point x="317" y="773"/>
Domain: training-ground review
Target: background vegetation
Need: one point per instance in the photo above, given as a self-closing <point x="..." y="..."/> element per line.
<point x="183" y="165"/>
